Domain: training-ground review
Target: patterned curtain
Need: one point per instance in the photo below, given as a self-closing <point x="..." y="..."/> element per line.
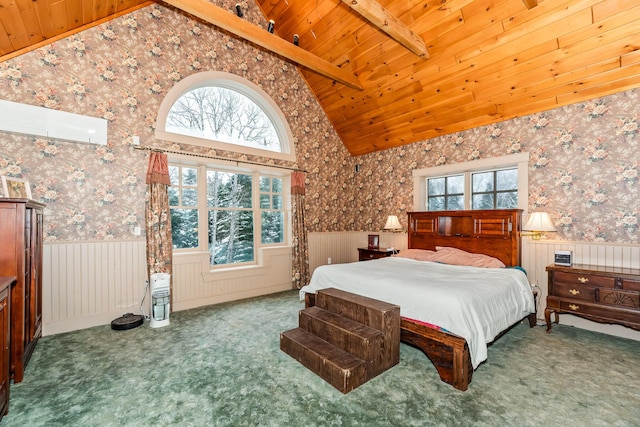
<point x="158" y="217"/>
<point x="301" y="274"/>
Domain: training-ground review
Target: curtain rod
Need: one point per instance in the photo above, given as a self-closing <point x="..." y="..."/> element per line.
<point x="237" y="162"/>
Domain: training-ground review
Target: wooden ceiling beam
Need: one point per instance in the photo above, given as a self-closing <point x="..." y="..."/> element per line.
<point x="385" y="21"/>
<point x="222" y="18"/>
<point x="529" y="4"/>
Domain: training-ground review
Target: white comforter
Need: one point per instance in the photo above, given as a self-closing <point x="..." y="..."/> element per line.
<point x="474" y="303"/>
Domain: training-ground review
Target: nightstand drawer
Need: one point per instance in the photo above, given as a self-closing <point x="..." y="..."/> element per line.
<point x="584" y="279"/>
<point x="574" y="291"/>
<point x="365" y="254"/>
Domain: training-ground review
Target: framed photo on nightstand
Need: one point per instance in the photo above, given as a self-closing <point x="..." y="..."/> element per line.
<point x="374" y="241"/>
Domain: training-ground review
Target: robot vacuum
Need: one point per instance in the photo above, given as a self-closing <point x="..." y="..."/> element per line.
<point x="127" y="321"/>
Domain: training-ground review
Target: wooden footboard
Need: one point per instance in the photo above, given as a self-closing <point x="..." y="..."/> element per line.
<point x="449" y="353"/>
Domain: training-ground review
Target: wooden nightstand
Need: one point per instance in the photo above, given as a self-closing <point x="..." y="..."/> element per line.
<point x="365" y="254"/>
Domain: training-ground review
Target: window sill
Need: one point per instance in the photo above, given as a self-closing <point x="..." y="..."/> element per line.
<point x="209" y="274"/>
<point x="233" y="272"/>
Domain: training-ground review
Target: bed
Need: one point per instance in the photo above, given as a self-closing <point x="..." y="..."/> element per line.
<point x="465" y="307"/>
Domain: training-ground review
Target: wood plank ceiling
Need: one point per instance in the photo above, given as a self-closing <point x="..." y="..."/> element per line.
<point x="393" y="72"/>
<point x="27" y="24"/>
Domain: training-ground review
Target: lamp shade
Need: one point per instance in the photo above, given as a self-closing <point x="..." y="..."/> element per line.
<point x="392" y="223"/>
<point x="539" y="221"/>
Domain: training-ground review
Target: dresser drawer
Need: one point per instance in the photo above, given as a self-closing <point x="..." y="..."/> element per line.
<point x="620" y="298"/>
<point x="583" y="279"/>
<point x="574" y="291"/>
<point x="600" y="312"/>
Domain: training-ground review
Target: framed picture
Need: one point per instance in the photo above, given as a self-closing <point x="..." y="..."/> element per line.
<point x="374" y="241"/>
<point x="16" y="188"/>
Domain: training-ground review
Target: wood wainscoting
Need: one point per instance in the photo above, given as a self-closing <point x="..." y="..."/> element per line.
<point x="536" y="255"/>
<point x="88" y="284"/>
<point x="343" y="246"/>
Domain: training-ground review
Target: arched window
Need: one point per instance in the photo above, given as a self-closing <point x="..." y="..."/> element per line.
<point x="224" y="111"/>
<point x="230" y="211"/>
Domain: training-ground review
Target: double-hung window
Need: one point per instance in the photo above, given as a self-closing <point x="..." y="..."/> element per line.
<point x="499" y="183"/>
<point x="495" y="189"/>
<point x="272" y="212"/>
<point x="183" y="201"/>
<point x="445" y="193"/>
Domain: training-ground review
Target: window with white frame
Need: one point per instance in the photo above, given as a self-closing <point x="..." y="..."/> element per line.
<point x="497" y="183"/>
<point x="494" y="189"/>
<point x="183" y="202"/>
<point x="222" y="114"/>
<point x="272" y="209"/>
<point x="228" y="209"/>
<point x="445" y="193"/>
<point x="222" y="211"/>
<point x="224" y="111"/>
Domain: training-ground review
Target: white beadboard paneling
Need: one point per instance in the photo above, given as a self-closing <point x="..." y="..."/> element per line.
<point x="196" y="285"/>
<point x="91" y="283"/>
<point x="343" y="247"/>
<point x="88" y="284"/>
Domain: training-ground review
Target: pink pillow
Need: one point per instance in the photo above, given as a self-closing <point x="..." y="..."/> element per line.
<point x="454" y="256"/>
<point x="417" y="254"/>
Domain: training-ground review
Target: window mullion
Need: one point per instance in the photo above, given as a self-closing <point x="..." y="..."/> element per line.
<point x="257" y="213"/>
<point x="203" y="210"/>
<point x="467" y="191"/>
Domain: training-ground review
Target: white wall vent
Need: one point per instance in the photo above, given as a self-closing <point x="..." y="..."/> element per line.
<point x="40" y="121"/>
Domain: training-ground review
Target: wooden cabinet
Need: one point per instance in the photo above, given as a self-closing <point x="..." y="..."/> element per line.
<point x="605" y="295"/>
<point x="492" y="232"/>
<point x="365" y="254"/>
<point x="21" y="231"/>
<point x="6" y="284"/>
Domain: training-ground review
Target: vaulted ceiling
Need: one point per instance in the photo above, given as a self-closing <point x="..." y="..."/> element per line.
<point x="393" y="72"/>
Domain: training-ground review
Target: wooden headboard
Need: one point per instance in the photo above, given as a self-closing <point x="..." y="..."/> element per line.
<point x="492" y="232"/>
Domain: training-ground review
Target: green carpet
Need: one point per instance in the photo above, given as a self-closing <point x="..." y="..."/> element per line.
<point x="222" y="366"/>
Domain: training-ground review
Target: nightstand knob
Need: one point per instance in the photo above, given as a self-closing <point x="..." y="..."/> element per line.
<point x="574" y="307"/>
<point x="574" y="292"/>
<point x="583" y="279"/>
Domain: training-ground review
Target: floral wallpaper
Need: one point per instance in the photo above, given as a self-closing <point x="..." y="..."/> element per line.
<point x="121" y="71"/>
<point x="584" y="157"/>
<point x="583" y="171"/>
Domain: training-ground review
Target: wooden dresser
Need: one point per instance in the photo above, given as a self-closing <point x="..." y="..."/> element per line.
<point x="6" y="284"/>
<point x="605" y="295"/>
<point x="21" y="232"/>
